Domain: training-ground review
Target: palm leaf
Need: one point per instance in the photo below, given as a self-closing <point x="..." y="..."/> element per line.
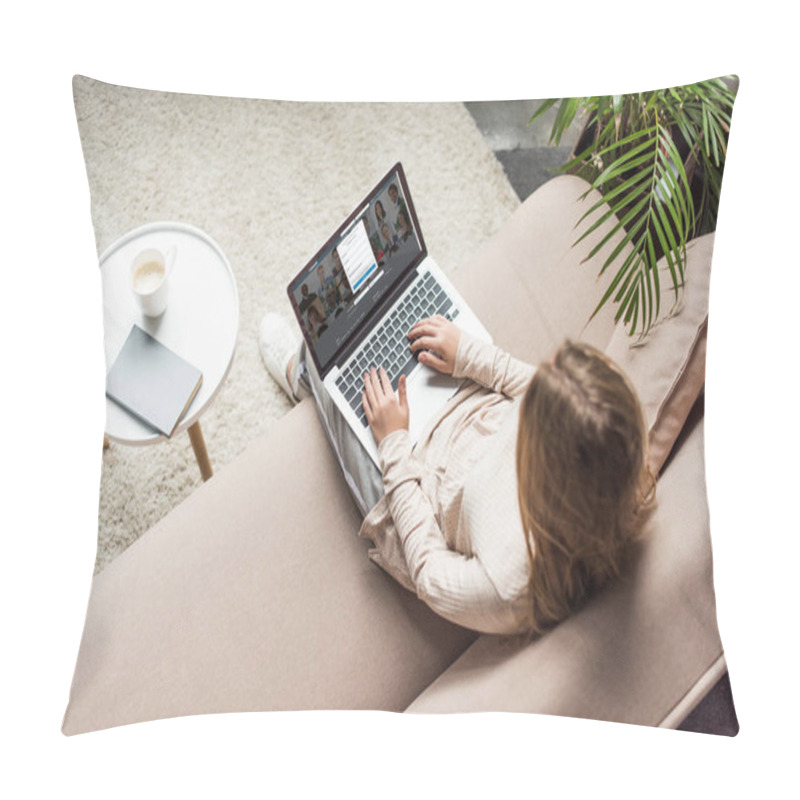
<point x="668" y="244"/>
<point x="543" y="107"/>
<point x="620" y="224"/>
<point x="624" y="274"/>
<point x="651" y="282"/>
<point x="646" y="207"/>
<point x="661" y="217"/>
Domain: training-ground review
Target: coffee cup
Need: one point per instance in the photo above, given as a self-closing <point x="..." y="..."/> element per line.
<point x="150" y="279"/>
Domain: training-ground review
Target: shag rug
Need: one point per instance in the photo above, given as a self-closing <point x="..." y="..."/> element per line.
<point x="269" y="181"/>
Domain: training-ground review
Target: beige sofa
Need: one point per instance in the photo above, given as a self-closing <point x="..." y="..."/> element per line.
<point x="256" y="594"/>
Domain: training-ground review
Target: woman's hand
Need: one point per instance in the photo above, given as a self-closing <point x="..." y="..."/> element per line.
<point x="386" y="411"/>
<point x="441" y="337"/>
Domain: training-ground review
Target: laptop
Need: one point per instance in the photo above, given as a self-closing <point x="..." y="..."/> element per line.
<point x="359" y="296"/>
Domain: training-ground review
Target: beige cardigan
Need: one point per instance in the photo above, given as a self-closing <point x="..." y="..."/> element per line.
<point x="449" y="526"/>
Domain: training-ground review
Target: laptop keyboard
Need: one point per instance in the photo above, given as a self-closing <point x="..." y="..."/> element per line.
<point x="388" y="345"/>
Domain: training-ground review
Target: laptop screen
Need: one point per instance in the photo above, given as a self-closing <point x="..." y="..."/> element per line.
<point x="357" y="268"/>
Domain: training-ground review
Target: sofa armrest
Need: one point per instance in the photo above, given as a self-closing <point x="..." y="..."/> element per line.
<point x="256" y="594"/>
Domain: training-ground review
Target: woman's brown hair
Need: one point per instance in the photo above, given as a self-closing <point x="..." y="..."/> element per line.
<point x="582" y="478"/>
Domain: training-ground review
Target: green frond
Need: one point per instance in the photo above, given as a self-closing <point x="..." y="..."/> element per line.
<point x="543" y="108"/>
<point x="647" y="210"/>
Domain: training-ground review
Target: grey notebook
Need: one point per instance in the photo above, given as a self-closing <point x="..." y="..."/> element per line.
<point x="152" y="382"/>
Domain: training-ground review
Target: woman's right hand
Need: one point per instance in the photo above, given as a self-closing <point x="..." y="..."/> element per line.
<point x="438" y="340"/>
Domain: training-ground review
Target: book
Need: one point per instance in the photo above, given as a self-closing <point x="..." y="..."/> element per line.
<point x="152" y="382"/>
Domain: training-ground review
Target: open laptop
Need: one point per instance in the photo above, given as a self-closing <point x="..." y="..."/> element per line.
<point x="358" y="297"/>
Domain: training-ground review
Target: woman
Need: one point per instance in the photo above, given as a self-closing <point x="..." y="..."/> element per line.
<point x="403" y="225"/>
<point x="380" y="214"/>
<point x="519" y="501"/>
<point x="388" y="238"/>
<point x="315" y="321"/>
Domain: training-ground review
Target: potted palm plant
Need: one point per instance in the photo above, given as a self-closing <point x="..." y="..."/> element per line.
<point x="657" y="158"/>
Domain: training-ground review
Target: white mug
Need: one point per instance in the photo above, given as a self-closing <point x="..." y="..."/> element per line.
<point x="149" y="279"/>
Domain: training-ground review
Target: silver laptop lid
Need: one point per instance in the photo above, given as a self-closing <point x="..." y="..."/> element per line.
<point x="370" y="258"/>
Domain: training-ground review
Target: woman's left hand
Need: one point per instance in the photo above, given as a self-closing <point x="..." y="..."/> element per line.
<point x="386" y="411"/>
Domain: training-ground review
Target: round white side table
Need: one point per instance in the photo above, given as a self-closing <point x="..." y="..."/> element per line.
<point x="200" y="323"/>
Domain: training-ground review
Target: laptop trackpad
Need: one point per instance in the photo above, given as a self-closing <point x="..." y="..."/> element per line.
<point x="428" y="391"/>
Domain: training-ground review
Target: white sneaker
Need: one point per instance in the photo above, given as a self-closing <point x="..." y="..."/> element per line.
<point x="278" y="343"/>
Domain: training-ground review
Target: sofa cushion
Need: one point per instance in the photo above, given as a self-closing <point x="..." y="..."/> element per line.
<point x="255" y="594"/>
<point x="669" y="369"/>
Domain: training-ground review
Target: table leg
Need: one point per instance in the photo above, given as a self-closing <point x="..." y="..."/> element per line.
<point x="200" y="452"/>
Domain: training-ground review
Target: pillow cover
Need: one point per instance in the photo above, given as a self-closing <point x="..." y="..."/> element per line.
<point x="251" y="591"/>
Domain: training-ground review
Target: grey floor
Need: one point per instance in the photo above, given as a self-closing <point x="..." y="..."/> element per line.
<point x="529" y="161"/>
<point x="523" y="150"/>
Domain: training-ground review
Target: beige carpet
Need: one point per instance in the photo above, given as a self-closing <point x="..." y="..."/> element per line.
<point x="269" y="181"/>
